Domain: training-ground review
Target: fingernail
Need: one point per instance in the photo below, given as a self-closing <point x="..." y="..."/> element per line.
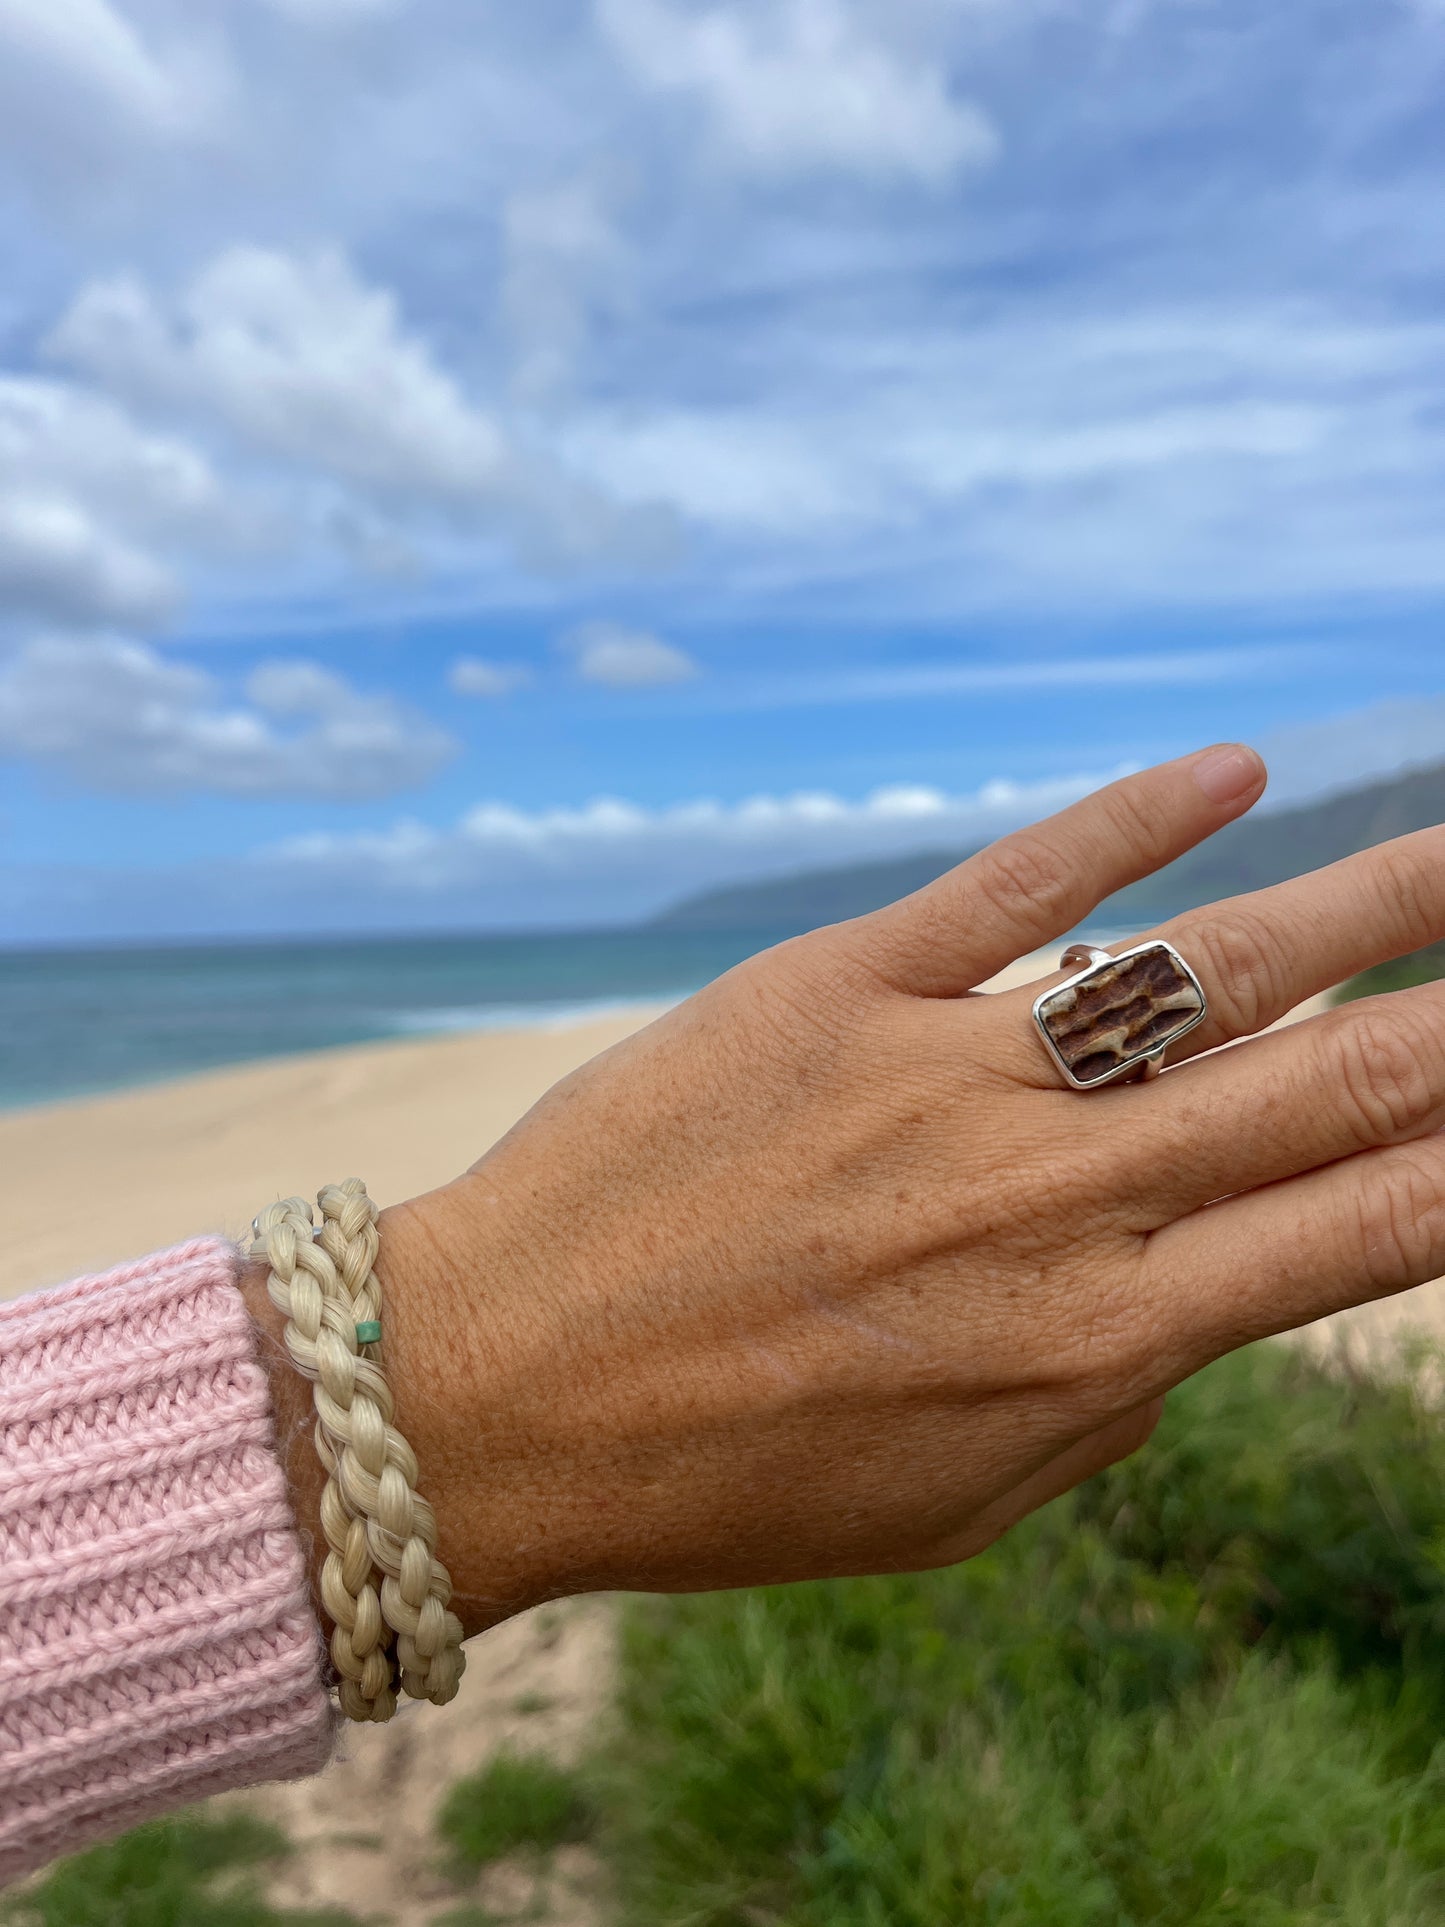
<point x="1227" y="772"/>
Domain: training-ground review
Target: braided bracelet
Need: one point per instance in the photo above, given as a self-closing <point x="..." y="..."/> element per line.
<point x="381" y="1577"/>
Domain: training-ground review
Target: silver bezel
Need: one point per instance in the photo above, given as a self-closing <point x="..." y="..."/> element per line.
<point x="1138" y="1058"/>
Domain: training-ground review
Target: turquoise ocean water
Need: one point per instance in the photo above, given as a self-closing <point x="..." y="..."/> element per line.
<point x="74" y="1021"/>
<point x="77" y="1021"/>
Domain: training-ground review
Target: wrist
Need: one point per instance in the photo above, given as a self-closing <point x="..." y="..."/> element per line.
<point x="470" y="1347"/>
<point x="453" y="1357"/>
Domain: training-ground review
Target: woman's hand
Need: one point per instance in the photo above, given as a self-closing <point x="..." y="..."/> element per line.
<point x="824" y="1272"/>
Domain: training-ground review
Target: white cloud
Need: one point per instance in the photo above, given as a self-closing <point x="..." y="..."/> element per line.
<point x="616" y="858"/>
<point x="305" y="363"/>
<point x="87" y="498"/>
<point x="471" y="676"/>
<point x="1237" y="668"/>
<point x="301" y="359"/>
<point x="742" y="470"/>
<point x="623" y="658"/>
<point x="816" y="461"/>
<point x="54" y="435"/>
<point x="118" y="715"/>
<point x="1123" y="458"/>
<point x="58" y="564"/>
<point x="801" y="85"/>
<point x="90" y="44"/>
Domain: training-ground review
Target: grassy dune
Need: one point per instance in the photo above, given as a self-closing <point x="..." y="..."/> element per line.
<point x="1208" y="1688"/>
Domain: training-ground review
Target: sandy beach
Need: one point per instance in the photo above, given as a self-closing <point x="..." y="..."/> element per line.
<point x="93" y="1181"/>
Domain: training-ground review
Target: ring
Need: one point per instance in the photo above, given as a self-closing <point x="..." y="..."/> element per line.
<point x="1119" y="1015"/>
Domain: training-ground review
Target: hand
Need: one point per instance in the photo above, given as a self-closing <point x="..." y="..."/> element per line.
<point x="824" y="1272"/>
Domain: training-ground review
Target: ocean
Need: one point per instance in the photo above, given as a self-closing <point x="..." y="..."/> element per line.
<point x="77" y="1021"/>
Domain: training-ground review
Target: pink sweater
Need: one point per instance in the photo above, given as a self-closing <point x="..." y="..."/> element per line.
<point x="157" y="1639"/>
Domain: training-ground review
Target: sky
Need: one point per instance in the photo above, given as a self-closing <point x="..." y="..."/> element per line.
<point x="475" y="465"/>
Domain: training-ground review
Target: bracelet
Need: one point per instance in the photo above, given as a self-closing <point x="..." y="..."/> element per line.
<point x="381" y="1577"/>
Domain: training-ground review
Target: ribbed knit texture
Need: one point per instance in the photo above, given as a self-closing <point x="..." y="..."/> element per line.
<point x="157" y="1638"/>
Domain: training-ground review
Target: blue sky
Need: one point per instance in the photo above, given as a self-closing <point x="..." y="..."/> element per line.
<point x="534" y="461"/>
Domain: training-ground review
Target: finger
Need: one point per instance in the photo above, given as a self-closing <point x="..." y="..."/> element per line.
<point x="1079" y="1461"/>
<point x="1260" y="956"/>
<point x="1371" y="1073"/>
<point x="1283" y="1256"/>
<point x="1034" y="885"/>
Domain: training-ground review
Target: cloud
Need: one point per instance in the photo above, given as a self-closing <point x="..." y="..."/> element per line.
<point x="471" y="676"/>
<point x="301" y="359"/>
<point x="55" y="435"/>
<point x="801" y="86"/>
<point x="89" y="44"/>
<point x="620" y="658"/>
<point x="305" y="363"/>
<point x="116" y="715"/>
<point x="1141" y="670"/>
<point x="611" y="858"/>
<point x="86" y="499"/>
<point x="1126" y="458"/>
<point x="57" y="564"/>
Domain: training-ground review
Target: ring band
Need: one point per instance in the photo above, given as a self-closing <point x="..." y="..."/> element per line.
<point x="1118" y="1015"/>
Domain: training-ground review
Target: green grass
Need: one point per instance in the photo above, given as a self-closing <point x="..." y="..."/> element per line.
<point x="1420" y="967"/>
<point x="192" y="1870"/>
<point x="518" y="1801"/>
<point x="1207" y="1689"/>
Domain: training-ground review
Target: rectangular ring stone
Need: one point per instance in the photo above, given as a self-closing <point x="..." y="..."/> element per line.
<point x="1112" y="1016"/>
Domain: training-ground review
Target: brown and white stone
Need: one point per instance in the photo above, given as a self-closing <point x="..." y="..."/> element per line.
<point x="1120" y="1012"/>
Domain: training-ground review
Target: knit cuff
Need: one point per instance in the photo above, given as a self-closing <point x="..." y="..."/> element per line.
<point x="157" y="1640"/>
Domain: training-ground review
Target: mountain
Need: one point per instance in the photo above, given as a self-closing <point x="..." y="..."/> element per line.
<point x="1261" y="849"/>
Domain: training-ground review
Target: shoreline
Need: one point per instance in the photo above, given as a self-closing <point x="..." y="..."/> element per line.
<point x="81" y="1031"/>
<point x="502" y="1020"/>
<point x="102" y="1177"/>
<point x="95" y="1180"/>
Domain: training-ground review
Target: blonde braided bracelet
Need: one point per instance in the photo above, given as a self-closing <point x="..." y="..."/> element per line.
<point x="381" y="1577"/>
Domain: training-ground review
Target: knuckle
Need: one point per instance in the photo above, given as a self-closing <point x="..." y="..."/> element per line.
<point x="1383" y="1075"/>
<point x="928" y="922"/>
<point x="1026" y="871"/>
<point x="1411" y="887"/>
<point x="1108" y="1345"/>
<point x="1132" y="821"/>
<point x="1243" y="967"/>
<point x="806" y="989"/>
<point x="1398" y="1216"/>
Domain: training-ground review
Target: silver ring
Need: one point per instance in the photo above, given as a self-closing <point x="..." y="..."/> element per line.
<point x="1118" y="1016"/>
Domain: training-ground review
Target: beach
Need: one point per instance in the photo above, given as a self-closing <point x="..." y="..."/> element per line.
<point x="92" y="1181"/>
